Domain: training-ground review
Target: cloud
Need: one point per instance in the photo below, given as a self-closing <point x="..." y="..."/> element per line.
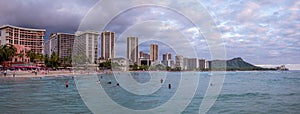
<point x="262" y="32"/>
<point x="53" y="15"/>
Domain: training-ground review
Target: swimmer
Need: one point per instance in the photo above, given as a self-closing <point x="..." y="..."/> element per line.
<point x="67" y="84"/>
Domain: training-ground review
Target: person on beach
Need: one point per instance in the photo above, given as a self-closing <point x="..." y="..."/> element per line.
<point x="4" y="72"/>
<point x="14" y="74"/>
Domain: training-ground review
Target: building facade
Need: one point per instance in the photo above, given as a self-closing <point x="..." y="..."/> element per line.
<point x="122" y="62"/>
<point x="132" y="49"/>
<point x="202" y="63"/>
<point x="144" y="55"/>
<point x="21" y="52"/>
<point x="192" y="63"/>
<point x="107" y="45"/>
<point x="167" y="60"/>
<point x="30" y="38"/>
<point x="153" y="52"/>
<point x="179" y="61"/>
<point x="61" y="44"/>
<point x="85" y="49"/>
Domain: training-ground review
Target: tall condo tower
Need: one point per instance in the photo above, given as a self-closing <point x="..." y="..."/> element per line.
<point x="107" y="45"/>
<point x="132" y="49"/>
<point x="153" y="52"/>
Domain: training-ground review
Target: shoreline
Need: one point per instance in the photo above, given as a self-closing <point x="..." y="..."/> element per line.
<point x="29" y="74"/>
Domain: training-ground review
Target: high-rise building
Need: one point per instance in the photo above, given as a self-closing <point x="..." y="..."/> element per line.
<point x="179" y="61"/>
<point x="167" y="60"/>
<point x="207" y="64"/>
<point x="192" y="63"/>
<point x="61" y="44"/>
<point x="144" y="55"/>
<point x="31" y="38"/>
<point x="202" y="63"/>
<point x="153" y="52"/>
<point x="132" y="49"/>
<point x="107" y="45"/>
<point x="85" y="49"/>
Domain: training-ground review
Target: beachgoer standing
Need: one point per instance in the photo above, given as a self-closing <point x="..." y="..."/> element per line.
<point x="4" y="73"/>
<point x="14" y="74"/>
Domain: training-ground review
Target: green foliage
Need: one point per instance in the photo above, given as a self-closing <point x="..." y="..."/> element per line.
<point x="134" y="66"/>
<point x="53" y="61"/>
<point x="34" y="56"/>
<point x="144" y="67"/>
<point x="7" y="52"/>
<point x="67" y="61"/>
<point x="157" y="67"/>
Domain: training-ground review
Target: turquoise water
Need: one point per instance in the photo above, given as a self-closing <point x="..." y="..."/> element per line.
<point x="242" y="92"/>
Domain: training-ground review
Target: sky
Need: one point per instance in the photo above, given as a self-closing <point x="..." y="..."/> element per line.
<point x="262" y="32"/>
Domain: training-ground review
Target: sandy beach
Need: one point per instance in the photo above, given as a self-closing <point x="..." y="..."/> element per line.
<point x="46" y="73"/>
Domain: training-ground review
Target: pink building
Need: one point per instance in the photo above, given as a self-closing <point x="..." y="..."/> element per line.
<point x="21" y="54"/>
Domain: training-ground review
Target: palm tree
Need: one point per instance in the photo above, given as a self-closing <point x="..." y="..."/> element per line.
<point x="7" y="52"/>
<point x="31" y="55"/>
<point x="54" y="60"/>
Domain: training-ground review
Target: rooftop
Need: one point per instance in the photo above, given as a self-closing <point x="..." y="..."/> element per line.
<point x="5" y="26"/>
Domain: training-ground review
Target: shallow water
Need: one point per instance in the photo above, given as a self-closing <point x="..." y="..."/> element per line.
<point x="242" y="92"/>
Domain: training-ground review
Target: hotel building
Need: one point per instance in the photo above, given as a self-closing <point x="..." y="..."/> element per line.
<point x="192" y="63"/>
<point x="144" y="55"/>
<point x="179" y="61"/>
<point x="85" y="49"/>
<point x="30" y="38"/>
<point x="202" y="63"/>
<point x="107" y="45"/>
<point x="167" y="60"/>
<point x="61" y="44"/>
<point x="132" y="49"/>
<point x="153" y="52"/>
<point x="21" y="50"/>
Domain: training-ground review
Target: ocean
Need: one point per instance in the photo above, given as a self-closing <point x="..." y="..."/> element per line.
<point x="242" y="92"/>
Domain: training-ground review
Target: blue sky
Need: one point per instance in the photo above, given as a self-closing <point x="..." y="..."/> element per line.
<point x="260" y="31"/>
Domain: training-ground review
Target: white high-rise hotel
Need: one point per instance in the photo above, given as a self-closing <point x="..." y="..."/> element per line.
<point x="132" y="49"/>
<point x="85" y="47"/>
<point x="107" y="45"/>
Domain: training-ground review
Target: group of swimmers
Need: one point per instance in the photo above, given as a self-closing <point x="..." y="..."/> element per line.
<point x="109" y="82"/>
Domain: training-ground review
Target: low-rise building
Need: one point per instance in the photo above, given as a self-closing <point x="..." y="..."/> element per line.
<point x="120" y="64"/>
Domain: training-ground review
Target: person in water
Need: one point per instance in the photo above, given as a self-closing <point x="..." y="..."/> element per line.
<point x="67" y="84"/>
